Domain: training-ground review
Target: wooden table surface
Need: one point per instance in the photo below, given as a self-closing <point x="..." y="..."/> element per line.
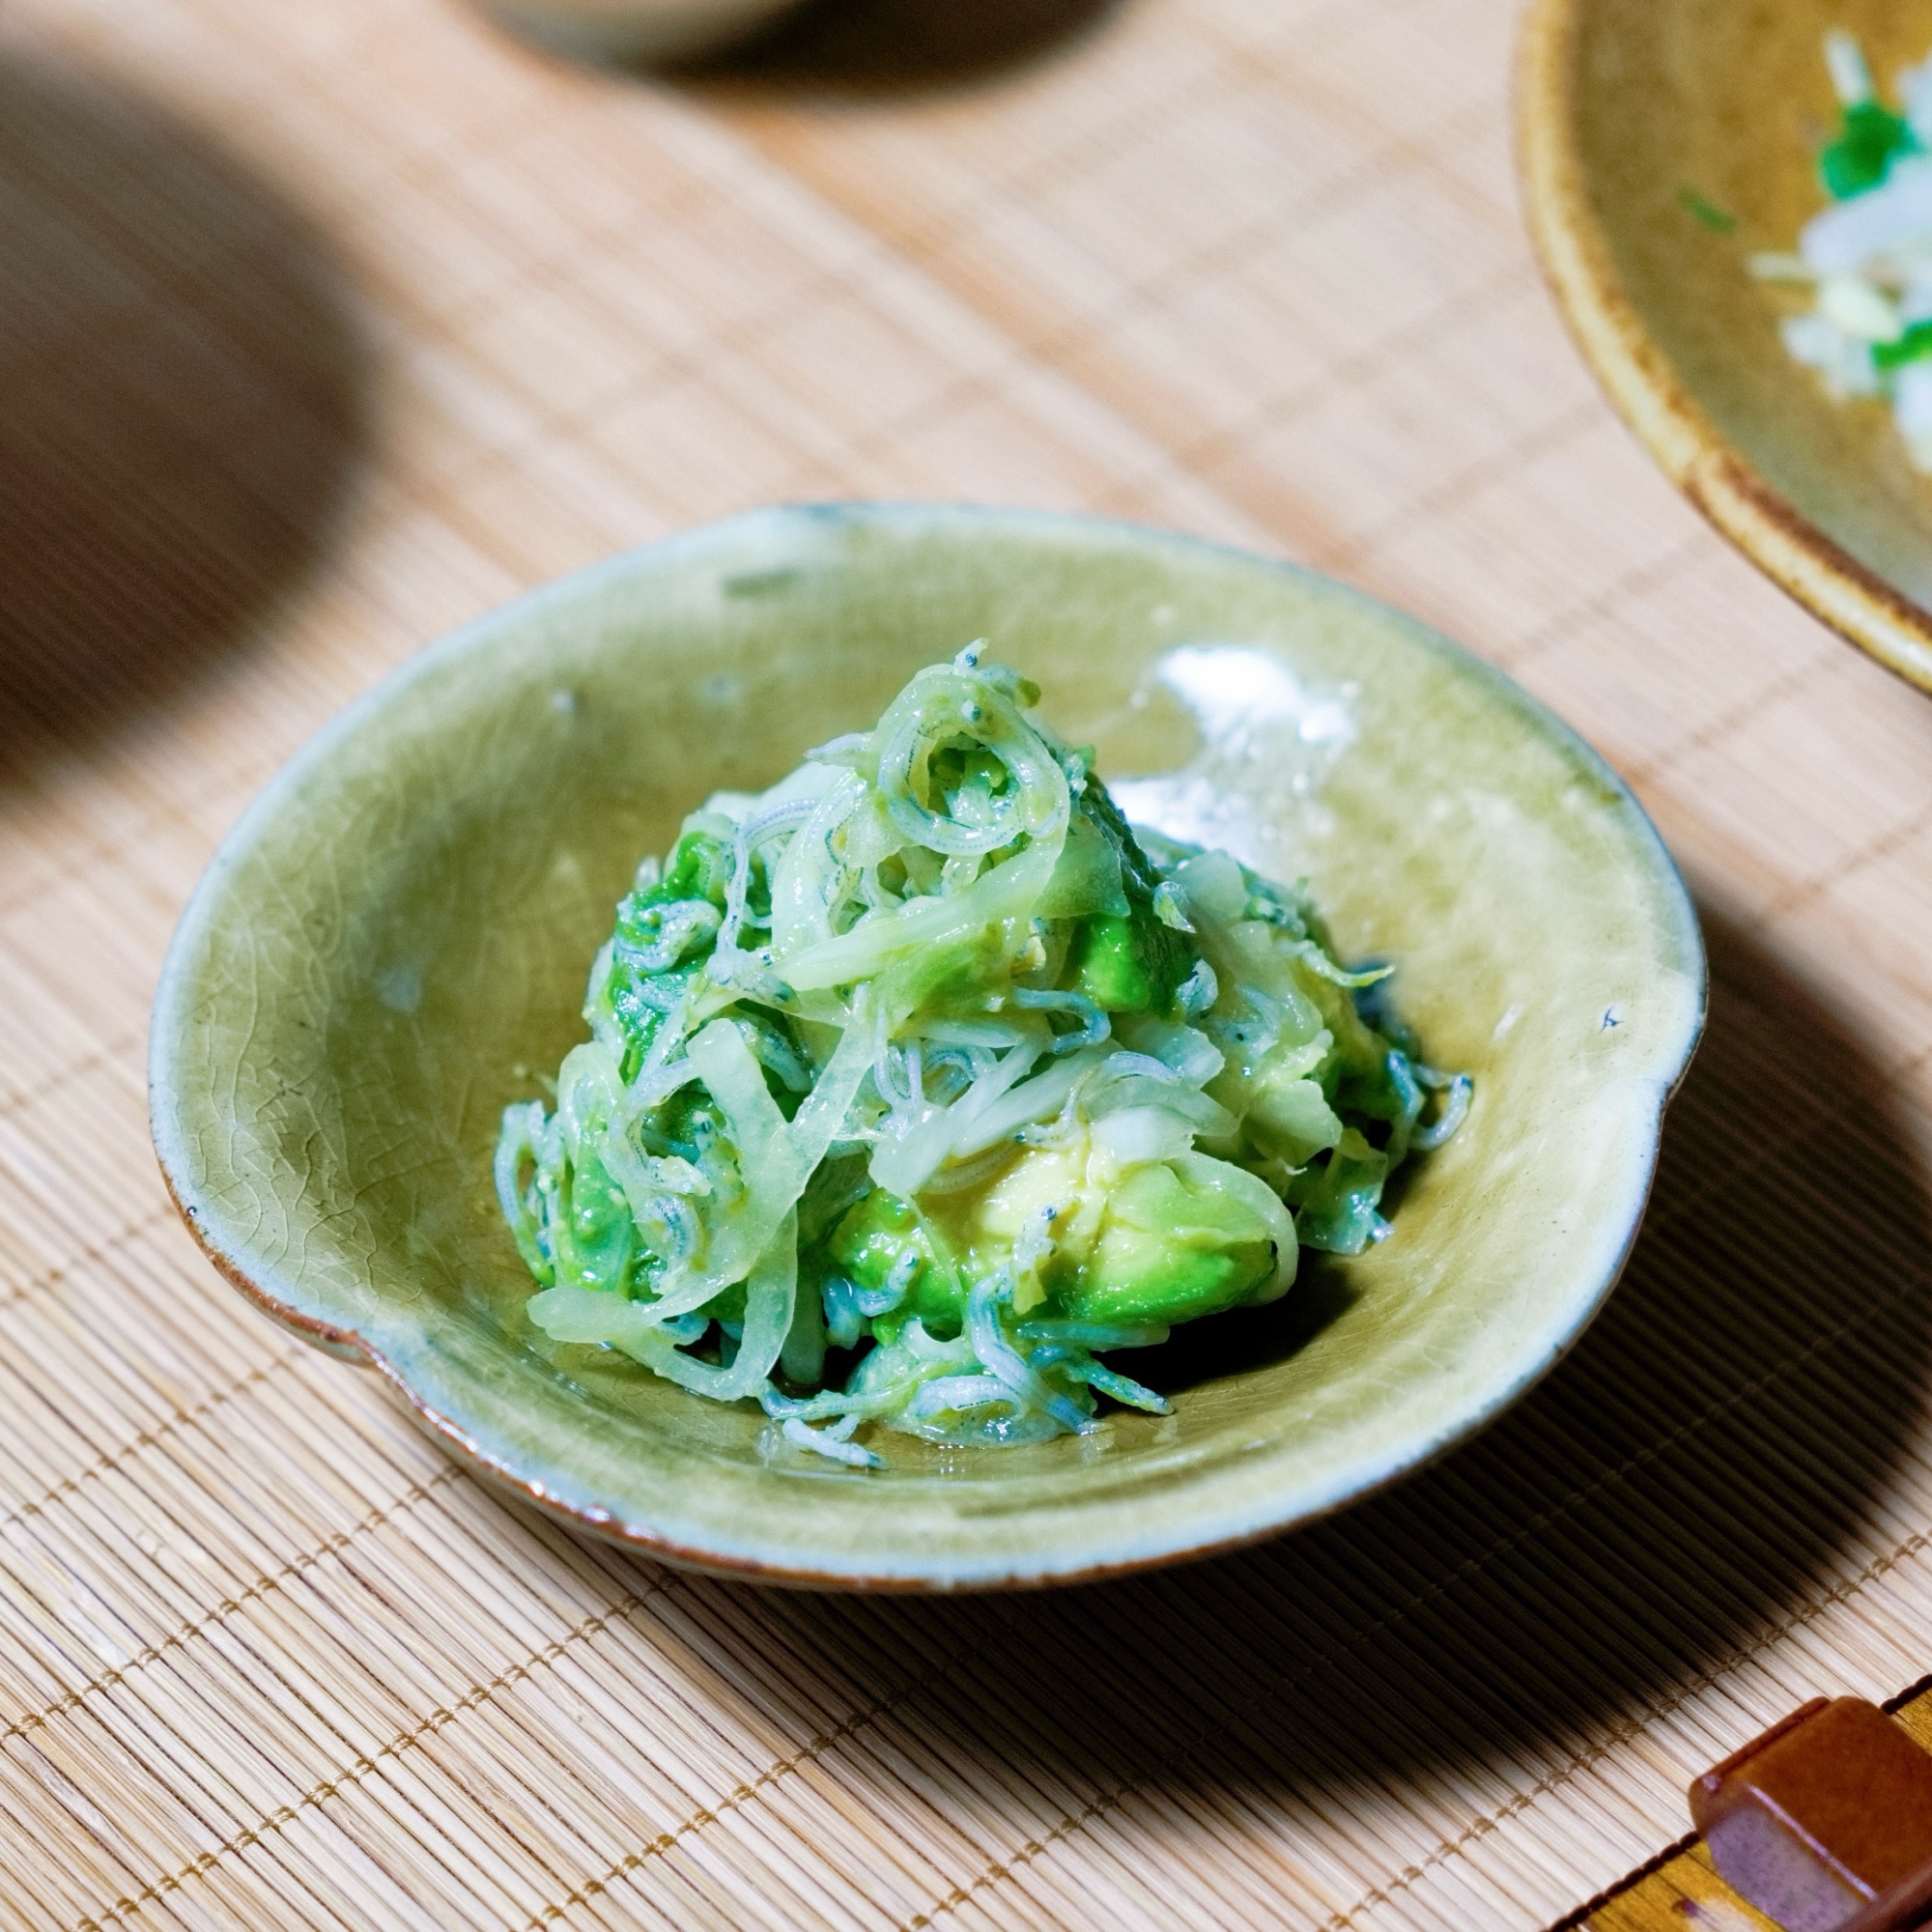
<point x="324" y="328"/>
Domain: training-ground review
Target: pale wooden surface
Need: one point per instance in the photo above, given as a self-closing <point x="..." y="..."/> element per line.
<point x="323" y="328"/>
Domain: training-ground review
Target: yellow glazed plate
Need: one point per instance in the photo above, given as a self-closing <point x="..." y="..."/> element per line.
<point x="399" y="932"/>
<point x="1630" y="109"/>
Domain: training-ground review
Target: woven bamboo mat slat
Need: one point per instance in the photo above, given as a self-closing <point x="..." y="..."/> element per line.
<point x="325" y="328"/>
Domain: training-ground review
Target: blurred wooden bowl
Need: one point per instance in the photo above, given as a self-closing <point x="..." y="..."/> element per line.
<point x="635" y="30"/>
<point x="1631" y="113"/>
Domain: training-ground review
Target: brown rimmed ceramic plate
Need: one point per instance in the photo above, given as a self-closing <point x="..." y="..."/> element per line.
<point x="398" y="932"/>
<point x="1640" y="120"/>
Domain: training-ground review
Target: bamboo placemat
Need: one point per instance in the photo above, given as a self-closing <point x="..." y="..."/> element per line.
<point x="323" y="328"/>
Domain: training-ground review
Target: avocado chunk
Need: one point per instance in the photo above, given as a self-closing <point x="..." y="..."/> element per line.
<point x="874" y="1237"/>
<point x="1127" y="960"/>
<point x="1108" y="966"/>
<point x="1170" y="1252"/>
<point x="595" y="1238"/>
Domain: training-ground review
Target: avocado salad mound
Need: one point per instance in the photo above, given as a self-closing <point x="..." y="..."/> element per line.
<point x="922" y="1081"/>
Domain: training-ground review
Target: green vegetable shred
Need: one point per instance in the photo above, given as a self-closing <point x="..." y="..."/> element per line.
<point x="920" y="1082"/>
<point x="1870" y="138"/>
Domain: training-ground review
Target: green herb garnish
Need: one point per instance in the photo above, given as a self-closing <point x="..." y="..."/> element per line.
<point x="1708" y="212"/>
<point x="1870" y="138"/>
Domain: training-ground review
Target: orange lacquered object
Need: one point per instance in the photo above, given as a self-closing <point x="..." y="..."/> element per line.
<point x="1825" y="1822"/>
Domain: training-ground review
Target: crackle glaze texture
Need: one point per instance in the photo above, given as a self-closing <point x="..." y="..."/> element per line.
<point x="1625" y="107"/>
<point x="397" y="935"/>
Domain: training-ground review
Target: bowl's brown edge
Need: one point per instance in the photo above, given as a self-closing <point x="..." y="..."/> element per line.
<point x="1607" y="327"/>
<point x="345" y="1345"/>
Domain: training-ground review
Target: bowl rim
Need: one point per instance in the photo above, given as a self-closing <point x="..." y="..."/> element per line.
<point x="1607" y="327"/>
<point x="1683" y="950"/>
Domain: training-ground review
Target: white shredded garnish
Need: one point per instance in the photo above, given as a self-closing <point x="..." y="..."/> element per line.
<point x="1865" y="259"/>
<point x="829" y="1442"/>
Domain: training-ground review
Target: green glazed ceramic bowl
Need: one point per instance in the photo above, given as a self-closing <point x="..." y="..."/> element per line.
<point x="399" y="932"/>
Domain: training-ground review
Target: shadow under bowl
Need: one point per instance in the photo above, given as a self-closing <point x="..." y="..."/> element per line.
<point x="393" y="945"/>
<point x="1641" y="123"/>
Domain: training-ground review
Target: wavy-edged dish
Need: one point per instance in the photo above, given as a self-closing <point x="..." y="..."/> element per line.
<point x="397" y="932"/>
<point x="1634" y="117"/>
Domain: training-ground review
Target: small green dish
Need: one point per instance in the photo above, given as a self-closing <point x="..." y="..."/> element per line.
<point x="395" y="939"/>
